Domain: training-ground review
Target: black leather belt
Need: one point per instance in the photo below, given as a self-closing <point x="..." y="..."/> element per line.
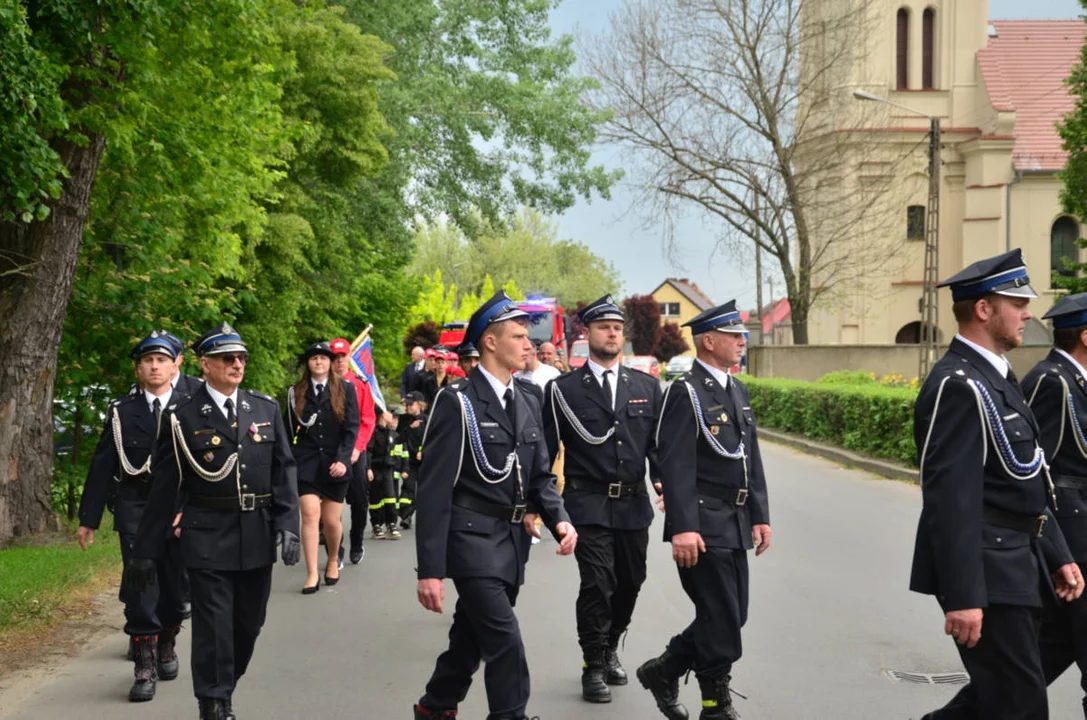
<point x="246" y="503"/>
<point x="1032" y="524"/>
<point x="612" y="490"/>
<point x="736" y="496"/>
<point x="510" y="513"/>
<point x="1070" y="482"/>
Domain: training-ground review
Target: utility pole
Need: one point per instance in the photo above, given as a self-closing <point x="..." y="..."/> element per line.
<point x="758" y="266"/>
<point x="929" y="299"/>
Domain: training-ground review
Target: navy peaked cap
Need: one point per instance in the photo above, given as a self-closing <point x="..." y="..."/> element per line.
<point x="220" y="339"/>
<point x="1001" y="275"/>
<point x="603" y="309"/>
<point x="498" y="309"/>
<point x="723" y="318"/>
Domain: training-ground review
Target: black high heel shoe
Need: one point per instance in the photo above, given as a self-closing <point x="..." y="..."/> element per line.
<point x="312" y="590"/>
<point x="331" y="581"/>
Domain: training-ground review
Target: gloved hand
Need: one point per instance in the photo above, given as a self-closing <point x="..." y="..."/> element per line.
<point x="139" y="575"/>
<point x="291" y="551"/>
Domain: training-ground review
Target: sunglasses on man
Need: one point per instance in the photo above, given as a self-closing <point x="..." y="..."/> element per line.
<point x="229" y="358"/>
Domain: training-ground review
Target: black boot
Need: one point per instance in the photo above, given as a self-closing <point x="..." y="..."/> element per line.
<point x="212" y="709"/>
<point x="660" y="676"/>
<point x="716" y="700"/>
<point x="229" y="709"/>
<point x="143" y="689"/>
<point x="421" y="713"/>
<point x="167" y="659"/>
<point x="593" y="672"/>
<point x="616" y="674"/>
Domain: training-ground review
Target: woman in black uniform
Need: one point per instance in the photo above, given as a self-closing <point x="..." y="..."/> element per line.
<point x="323" y="416"/>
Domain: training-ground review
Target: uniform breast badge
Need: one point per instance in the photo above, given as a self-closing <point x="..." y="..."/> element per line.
<point x="215" y="440"/>
<point x="209" y="456"/>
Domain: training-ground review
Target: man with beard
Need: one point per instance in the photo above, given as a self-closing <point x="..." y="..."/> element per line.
<point x="987" y="546"/>
<point x="604" y="415"/>
<point x="484" y="461"/>
<point x="223" y="457"/>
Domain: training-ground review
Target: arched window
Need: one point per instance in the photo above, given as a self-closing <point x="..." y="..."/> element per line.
<point x="928" y="49"/>
<point x="1062" y="245"/>
<point x="902" y="49"/>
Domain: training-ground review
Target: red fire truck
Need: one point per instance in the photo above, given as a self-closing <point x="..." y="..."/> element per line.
<point x="547" y="323"/>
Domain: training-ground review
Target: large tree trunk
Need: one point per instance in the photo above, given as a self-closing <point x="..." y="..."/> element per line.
<point x="33" y="303"/>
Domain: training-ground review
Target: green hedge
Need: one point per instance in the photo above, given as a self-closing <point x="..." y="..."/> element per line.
<point x="868" y="418"/>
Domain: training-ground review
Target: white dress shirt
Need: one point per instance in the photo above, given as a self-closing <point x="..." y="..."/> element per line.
<point x="998" y="361"/>
<point x="542" y="375"/>
<point x="164" y="399"/>
<point x="496" y="385"/>
<point x="598" y="373"/>
<point x="719" y="375"/>
<point x="219" y="399"/>
<point x="314" y="384"/>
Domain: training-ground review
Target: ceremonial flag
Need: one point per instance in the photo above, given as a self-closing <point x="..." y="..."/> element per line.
<point x="362" y="364"/>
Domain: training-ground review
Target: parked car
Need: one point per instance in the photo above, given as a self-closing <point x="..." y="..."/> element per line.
<point x="646" y="363"/>
<point x="579" y="353"/>
<point x="677" y="366"/>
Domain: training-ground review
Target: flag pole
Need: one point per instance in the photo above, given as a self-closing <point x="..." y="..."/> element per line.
<point x="361" y="337"/>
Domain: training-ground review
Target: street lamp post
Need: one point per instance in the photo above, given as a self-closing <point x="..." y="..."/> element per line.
<point x="929" y="304"/>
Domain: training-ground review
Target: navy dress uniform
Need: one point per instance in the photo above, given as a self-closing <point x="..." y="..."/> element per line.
<point x="319" y="438"/>
<point x="713" y="481"/>
<point x="605" y="418"/>
<point x="120" y="478"/>
<point x="1056" y="389"/>
<point x="484" y="463"/>
<point x="226" y="462"/>
<point x="986" y="537"/>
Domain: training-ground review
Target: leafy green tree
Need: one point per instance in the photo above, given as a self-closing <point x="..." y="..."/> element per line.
<point x="1073" y="131"/>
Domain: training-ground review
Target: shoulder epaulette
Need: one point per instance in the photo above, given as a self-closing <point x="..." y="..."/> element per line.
<point x="457" y="386"/>
<point x="181" y="400"/>
<point x="122" y="400"/>
<point x="260" y="396"/>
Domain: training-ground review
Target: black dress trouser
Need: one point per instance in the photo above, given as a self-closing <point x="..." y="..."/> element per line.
<point x="484" y="630"/>
<point x="1005" y="667"/>
<point x="1063" y="642"/>
<point x="718" y="587"/>
<point x="159" y="605"/>
<point x="228" y="611"/>
<point x="406" y="505"/>
<point x="612" y="568"/>
<point x="358" y="492"/>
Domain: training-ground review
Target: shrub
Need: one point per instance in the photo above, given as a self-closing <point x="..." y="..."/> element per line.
<point x="868" y="418"/>
<point x="848" y="377"/>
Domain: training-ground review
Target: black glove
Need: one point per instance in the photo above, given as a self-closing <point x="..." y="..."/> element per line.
<point x="291" y="551"/>
<point x="139" y="575"/>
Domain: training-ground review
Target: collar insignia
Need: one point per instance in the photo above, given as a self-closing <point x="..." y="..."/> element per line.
<point x="206" y="410"/>
<point x="245" y="405"/>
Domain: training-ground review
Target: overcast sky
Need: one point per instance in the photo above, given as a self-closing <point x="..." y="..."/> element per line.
<point x="615" y="231"/>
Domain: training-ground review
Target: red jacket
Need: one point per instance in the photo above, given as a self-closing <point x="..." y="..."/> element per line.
<point x="367" y="419"/>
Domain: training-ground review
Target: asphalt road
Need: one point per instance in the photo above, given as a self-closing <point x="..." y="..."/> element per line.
<point x="830" y="615"/>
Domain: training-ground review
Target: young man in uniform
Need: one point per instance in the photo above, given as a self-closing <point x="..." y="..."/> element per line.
<point x="223" y="457"/>
<point x="716" y="509"/>
<point x="121" y="472"/>
<point x="357" y="495"/>
<point x="605" y="416"/>
<point x="484" y="462"/>
<point x="986" y="545"/>
<point x="1056" y="389"/>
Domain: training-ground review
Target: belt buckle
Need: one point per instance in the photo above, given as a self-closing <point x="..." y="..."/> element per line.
<point x="518" y="513"/>
<point x="249" y="502"/>
<point x="1040" y="529"/>
<point x="741" y="497"/>
<point x="615" y="490"/>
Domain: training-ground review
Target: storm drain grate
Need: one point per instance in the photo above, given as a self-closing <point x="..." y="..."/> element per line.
<point x="951" y="678"/>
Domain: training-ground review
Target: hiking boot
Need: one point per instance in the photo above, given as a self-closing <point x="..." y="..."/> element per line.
<point x="212" y="709"/>
<point x="717" y="700"/>
<point x="168" y="664"/>
<point x="593" y="672"/>
<point x="378" y="532"/>
<point x="616" y="675"/>
<point x="143" y="688"/>
<point x="660" y="676"/>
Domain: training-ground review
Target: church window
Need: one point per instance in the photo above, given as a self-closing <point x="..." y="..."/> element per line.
<point x="928" y="49"/>
<point x="902" y="49"/>
<point x="1062" y="245"/>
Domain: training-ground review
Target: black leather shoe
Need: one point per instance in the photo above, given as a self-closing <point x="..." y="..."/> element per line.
<point x="229" y="709"/>
<point x="421" y="713"/>
<point x="616" y="675"/>
<point x="357" y="555"/>
<point x="331" y="581"/>
<point x="660" y="676"/>
<point x="593" y="687"/>
<point x="312" y="589"/>
<point x="212" y="709"/>
<point x="143" y="687"/>
<point x="168" y="665"/>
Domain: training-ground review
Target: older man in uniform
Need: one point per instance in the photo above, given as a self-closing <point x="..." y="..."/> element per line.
<point x="716" y="509"/>
<point x="1057" y="392"/>
<point x="484" y="462"/>
<point x="120" y="477"/>
<point x="986" y="544"/>
<point x="605" y="416"/>
<point x="224" y="458"/>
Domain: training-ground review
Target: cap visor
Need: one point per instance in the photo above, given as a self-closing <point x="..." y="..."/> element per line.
<point x="1023" y="291"/>
<point x="608" y="316"/>
<point x="510" y="315"/>
<point x="738" y="329"/>
<point x="232" y="347"/>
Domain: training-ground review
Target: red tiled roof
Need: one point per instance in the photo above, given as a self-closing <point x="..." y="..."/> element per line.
<point x="1024" y="68"/>
<point x="779" y="313"/>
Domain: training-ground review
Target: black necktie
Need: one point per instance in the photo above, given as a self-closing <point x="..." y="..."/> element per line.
<point x="1014" y="382"/>
<point x="320" y="389"/>
<point x="606" y="384"/>
<point x="156" y="409"/>
<point x="231" y="419"/>
<point x="511" y="410"/>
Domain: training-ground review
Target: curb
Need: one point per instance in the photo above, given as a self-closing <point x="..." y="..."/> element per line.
<point x="845" y="457"/>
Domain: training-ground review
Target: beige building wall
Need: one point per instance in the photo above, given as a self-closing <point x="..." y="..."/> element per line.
<point x="687" y="311"/>
<point x="977" y="174"/>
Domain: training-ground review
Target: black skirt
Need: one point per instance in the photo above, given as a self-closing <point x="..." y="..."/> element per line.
<point x="333" y="491"/>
